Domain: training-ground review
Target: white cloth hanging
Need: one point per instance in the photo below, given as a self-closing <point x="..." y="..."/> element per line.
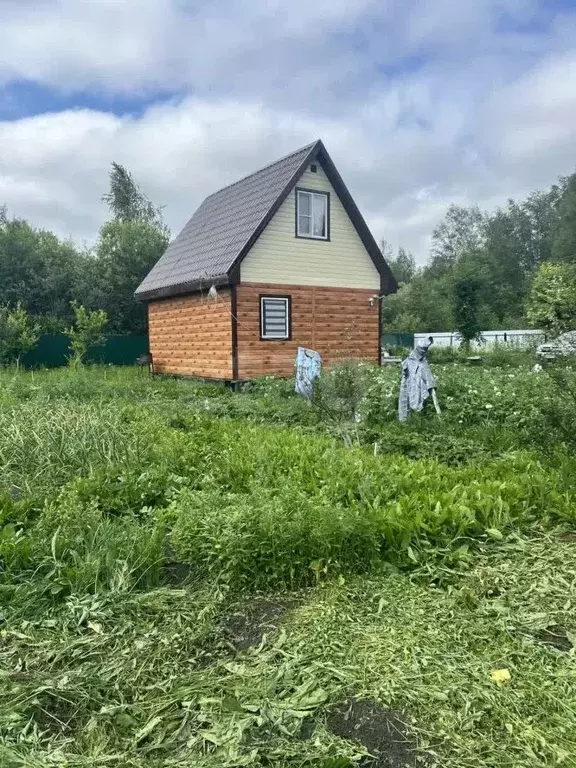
<point x="417" y="381"/>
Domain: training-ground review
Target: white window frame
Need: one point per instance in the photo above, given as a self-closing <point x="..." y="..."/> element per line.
<point x="274" y="336"/>
<point x="313" y="195"/>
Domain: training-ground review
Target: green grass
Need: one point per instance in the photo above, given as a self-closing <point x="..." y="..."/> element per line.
<point x="144" y="678"/>
<point x="416" y="564"/>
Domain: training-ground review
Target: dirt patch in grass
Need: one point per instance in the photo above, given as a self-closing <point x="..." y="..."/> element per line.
<point x="57" y="715"/>
<point x="246" y="626"/>
<point x="176" y="574"/>
<point x="307" y="730"/>
<point x="556" y="637"/>
<point x="379" y="729"/>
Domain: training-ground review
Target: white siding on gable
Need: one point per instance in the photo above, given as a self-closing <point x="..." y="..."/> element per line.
<point x="278" y="256"/>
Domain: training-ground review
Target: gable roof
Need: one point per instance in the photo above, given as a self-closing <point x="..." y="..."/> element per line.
<point x="213" y="243"/>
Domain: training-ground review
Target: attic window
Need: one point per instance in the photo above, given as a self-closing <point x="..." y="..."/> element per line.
<point x="274" y="317"/>
<point x="312" y="214"/>
<point x="313" y="167"/>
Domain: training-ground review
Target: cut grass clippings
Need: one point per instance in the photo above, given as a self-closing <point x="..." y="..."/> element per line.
<point x="148" y="678"/>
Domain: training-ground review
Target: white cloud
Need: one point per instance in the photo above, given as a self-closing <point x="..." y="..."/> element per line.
<point x="74" y="43"/>
<point x="129" y="46"/>
<point x="420" y="104"/>
<point x="536" y="131"/>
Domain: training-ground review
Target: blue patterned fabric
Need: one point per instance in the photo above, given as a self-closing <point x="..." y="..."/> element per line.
<point x="308" y="368"/>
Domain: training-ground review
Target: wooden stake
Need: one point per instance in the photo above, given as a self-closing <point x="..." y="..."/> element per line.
<point x="435" y="401"/>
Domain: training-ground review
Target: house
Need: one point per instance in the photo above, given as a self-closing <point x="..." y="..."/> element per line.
<point x="277" y="260"/>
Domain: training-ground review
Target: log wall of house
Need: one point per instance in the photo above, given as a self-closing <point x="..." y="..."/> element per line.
<point x="338" y="323"/>
<point x="192" y="335"/>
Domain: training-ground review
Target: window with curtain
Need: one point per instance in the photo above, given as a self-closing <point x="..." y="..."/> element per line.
<point x="312" y="214"/>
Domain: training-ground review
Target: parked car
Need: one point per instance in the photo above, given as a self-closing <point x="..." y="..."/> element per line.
<point x="565" y="344"/>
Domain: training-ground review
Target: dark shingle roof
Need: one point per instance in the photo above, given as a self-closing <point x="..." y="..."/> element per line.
<point x="228" y="222"/>
<point x="209" y="244"/>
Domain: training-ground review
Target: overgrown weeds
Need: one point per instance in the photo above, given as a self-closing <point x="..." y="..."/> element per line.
<point x="431" y="565"/>
<point x="256" y="507"/>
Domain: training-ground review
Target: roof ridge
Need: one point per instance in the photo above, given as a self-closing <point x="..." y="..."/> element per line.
<point x="219" y="235"/>
<point x="264" y="167"/>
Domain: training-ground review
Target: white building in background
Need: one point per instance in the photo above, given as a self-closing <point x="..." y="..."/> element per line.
<point x="527" y="338"/>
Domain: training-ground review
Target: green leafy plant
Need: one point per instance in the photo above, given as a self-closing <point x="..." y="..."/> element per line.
<point x="338" y="393"/>
<point x="18" y="334"/>
<point x="559" y="409"/>
<point x="551" y="303"/>
<point x="86" y="332"/>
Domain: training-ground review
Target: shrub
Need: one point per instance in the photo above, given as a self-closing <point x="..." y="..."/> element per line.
<point x="86" y="332"/>
<point x="443" y="355"/>
<point x="338" y="393"/>
<point x="18" y="334"/>
<point x="506" y="356"/>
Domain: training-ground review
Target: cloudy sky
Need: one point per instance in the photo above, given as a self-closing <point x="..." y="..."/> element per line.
<point x="420" y="102"/>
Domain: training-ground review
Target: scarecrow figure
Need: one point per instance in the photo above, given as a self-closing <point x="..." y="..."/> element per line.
<point x="417" y="382"/>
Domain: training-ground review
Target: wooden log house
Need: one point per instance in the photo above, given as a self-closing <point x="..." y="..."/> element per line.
<point x="280" y="259"/>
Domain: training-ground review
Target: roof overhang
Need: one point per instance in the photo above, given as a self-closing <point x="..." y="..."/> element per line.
<point x="181" y="289"/>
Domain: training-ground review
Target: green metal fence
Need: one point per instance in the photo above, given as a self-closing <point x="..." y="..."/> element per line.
<point x="397" y="339"/>
<point x="53" y="351"/>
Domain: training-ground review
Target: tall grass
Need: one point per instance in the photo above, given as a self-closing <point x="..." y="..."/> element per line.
<point x="44" y="445"/>
<point x="89" y="384"/>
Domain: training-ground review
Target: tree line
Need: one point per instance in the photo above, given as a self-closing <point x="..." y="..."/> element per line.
<point x="510" y="268"/>
<point x="514" y="267"/>
<point x="47" y="277"/>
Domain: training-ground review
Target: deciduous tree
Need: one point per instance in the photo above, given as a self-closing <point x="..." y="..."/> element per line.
<point x="552" y="300"/>
<point x="126" y="251"/>
<point x="564" y="242"/>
